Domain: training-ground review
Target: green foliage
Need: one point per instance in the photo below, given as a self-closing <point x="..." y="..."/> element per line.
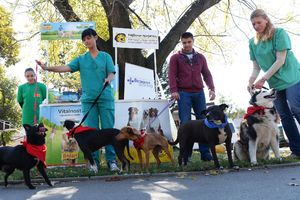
<point x="9" y="110"/>
<point x="9" y="48"/>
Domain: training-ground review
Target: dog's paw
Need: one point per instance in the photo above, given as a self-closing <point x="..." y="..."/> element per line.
<point x="94" y="168"/>
<point x="31" y="187"/>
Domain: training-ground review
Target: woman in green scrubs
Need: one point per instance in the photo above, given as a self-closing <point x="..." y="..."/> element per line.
<point x="270" y="50"/>
<point x="96" y="68"/>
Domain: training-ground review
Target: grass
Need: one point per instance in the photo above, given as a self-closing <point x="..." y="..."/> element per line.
<point x="195" y="165"/>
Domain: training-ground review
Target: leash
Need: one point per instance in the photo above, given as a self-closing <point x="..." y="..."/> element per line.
<point x="164" y="108"/>
<point x="86" y="114"/>
<point x="35" y="96"/>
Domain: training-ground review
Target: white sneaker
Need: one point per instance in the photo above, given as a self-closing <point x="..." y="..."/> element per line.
<point x="113" y="167"/>
<point x="94" y="168"/>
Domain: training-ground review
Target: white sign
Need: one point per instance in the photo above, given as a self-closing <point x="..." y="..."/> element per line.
<point x="137" y="39"/>
<point x="139" y="83"/>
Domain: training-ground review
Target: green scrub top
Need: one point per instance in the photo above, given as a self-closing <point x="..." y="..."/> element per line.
<point x="93" y="72"/>
<point x="26" y="99"/>
<point x="264" y="53"/>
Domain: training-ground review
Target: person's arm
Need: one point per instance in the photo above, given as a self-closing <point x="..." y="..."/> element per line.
<point x="44" y="92"/>
<point x="20" y="97"/>
<point x="172" y="74"/>
<point x="110" y="68"/>
<point x="254" y="75"/>
<point x="207" y="77"/>
<point x="280" y="59"/>
<point x="63" y="68"/>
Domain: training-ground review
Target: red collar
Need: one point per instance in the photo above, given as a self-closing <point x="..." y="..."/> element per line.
<point x="254" y="109"/>
<point x="138" y="144"/>
<point x="38" y="151"/>
<point x="79" y="129"/>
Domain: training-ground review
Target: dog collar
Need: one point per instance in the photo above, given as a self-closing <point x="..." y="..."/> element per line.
<point x="211" y="124"/>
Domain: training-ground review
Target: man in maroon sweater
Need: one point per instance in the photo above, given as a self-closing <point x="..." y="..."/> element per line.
<point x="186" y="69"/>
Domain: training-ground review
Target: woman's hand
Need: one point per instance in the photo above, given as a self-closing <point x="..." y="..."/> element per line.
<point x="43" y="65"/>
<point x="260" y="83"/>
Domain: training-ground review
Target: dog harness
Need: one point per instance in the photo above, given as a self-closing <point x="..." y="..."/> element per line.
<point x="138" y="144"/>
<point x="254" y="109"/>
<point x="79" y="129"/>
<point x="37" y="151"/>
<point x="211" y="124"/>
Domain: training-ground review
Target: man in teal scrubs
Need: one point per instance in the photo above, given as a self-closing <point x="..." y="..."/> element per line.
<point x="96" y="68"/>
<point x="270" y="50"/>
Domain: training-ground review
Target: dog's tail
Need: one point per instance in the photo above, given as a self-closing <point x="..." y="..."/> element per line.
<point x="128" y="150"/>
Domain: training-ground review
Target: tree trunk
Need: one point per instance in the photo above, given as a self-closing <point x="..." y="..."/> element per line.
<point x="118" y="16"/>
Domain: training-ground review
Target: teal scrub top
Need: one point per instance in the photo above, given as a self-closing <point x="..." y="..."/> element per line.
<point x="264" y="53"/>
<point x="93" y="72"/>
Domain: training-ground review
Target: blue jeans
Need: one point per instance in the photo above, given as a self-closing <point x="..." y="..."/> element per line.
<point x="287" y="103"/>
<point x="196" y="101"/>
<point x="105" y="114"/>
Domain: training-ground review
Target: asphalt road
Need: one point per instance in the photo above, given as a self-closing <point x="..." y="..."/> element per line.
<point x="260" y="184"/>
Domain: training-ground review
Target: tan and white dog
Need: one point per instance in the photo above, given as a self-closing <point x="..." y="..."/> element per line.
<point x="258" y="131"/>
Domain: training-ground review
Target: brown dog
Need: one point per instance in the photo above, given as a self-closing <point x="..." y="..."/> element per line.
<point x="149" y="141"/>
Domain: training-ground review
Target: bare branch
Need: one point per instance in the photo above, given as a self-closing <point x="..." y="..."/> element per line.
<point x="139" y="18"/>
<point x="212" y="38"/>
<point x="24" y="39"/>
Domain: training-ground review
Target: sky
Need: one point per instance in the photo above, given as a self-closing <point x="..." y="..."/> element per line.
<point x="230" y="77"/>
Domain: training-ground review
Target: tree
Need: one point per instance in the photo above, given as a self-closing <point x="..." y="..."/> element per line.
<point x="9" y="48"/>
<point x="9" y="110"/>
<point x="119" y="14"/>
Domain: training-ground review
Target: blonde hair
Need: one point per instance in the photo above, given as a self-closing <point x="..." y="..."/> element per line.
<point x="269" y="30"/>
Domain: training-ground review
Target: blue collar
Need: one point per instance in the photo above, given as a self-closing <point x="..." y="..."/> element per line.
<point x="211" y="124"/>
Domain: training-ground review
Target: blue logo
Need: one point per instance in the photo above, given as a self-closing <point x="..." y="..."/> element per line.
<point x="144" y="83"/>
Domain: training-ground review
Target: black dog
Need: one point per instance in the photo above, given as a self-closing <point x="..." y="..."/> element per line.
<point x="211" y="131"/>
<point x="92" y="140"/>
<point x="17" y="157"/>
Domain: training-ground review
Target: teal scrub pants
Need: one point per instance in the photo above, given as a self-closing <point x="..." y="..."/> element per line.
<point x="102" y="112"/>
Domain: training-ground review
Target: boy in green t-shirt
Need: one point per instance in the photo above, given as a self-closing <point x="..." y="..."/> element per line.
<point x="28" y="94"/>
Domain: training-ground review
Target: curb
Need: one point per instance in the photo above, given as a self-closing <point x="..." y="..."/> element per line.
<point x="135" y="176"/>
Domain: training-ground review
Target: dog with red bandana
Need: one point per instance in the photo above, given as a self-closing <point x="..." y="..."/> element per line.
<point x="24" y="157"/>
<point x="258" y="131"/>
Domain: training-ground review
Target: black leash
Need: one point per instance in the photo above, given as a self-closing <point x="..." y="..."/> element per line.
<point x="86" y="114"/>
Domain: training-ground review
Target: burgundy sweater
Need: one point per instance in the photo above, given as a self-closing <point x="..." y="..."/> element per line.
<point x="185" y="75"/>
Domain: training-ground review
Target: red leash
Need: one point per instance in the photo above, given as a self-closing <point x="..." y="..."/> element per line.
<point x="35" y="96"/>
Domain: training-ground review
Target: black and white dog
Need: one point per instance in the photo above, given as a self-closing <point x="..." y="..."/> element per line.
<point x="258" y="131"/>
<point x="90" y="140"/>
<point x="211" y="131"/>
<point x="23" y="157"/>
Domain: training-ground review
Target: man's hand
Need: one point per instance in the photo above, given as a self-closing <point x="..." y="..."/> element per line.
<point x="212" y="95"/>
<point x="175" y="95"/>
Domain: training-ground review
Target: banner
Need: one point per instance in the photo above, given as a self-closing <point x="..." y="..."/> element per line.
<point x="137" y="114"/>
<point x="139" y="82"/>
<point x="65" y="30"/>
<point x="137" y="39"/>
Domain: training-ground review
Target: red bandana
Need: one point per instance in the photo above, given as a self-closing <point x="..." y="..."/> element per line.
<point x="80" y="129"/>
<point x="38" y="151"/>
<point x="138" y="144"/>
<point x="253" y="109"/>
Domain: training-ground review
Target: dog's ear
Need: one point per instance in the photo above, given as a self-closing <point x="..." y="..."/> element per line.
<point x="129" y="131"/>
<point x="223" y="106"/>
<point x="204" y="112"/>
<point x="27" y="127"/>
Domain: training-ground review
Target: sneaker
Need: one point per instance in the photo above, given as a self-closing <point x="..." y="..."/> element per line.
<point x="113" y="166"/>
